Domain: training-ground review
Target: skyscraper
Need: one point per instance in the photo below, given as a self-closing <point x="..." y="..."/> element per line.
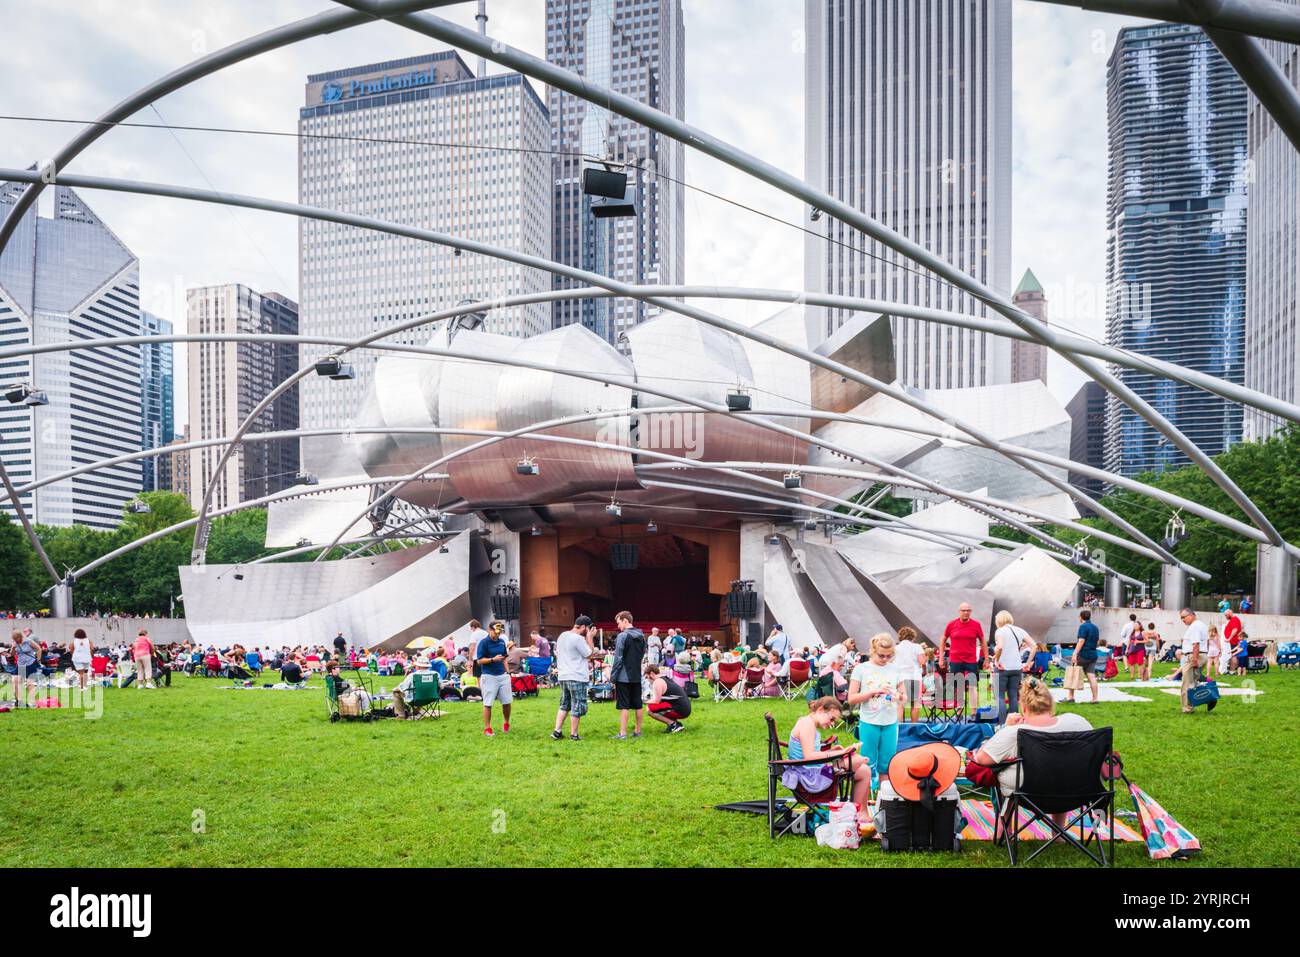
<point x="908" y="119"/>
<point x="64" y="278"/>
<point x="227" y="380"/>
<point x="1272" y="338"/>
<point x="637" y="48"/>
<point x="178" y="469"/>
<point x="1176" y="243"/>
<point x="157" y="413"/>
<point x="422" y="141"/>
<point x="1029" y="359"/>
<point x="1087" y="411"/>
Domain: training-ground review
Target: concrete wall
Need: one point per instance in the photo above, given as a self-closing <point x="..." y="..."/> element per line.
<point x="1278" y="628"/>
<point x="102" y="632"/>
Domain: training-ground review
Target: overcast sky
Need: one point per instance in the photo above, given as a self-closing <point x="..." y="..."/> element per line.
<point x="744" y="79"/>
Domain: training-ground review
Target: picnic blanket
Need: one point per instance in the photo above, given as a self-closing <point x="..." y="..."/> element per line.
<point x="979" y="825"/>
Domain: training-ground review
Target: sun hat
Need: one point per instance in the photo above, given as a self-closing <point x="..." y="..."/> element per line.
<point x="920" y="773"/>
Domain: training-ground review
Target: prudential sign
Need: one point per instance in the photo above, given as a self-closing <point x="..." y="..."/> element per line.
<point x="333" y="92"/>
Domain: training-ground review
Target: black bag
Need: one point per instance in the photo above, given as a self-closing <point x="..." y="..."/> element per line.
<point x="692" y="689"/>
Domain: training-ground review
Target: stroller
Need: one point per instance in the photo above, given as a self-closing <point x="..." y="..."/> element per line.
<point x="357" y="702"/>
<point x="1256" y="657"/>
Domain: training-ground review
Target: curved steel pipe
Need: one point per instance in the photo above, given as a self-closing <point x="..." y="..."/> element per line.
<point x="916" y="481"/>
<point x="547" y="265"/>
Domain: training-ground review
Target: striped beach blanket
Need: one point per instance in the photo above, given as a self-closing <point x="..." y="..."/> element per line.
<point x="979" y="825"/>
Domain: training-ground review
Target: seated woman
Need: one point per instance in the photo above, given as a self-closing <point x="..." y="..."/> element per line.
<point x="1037" y="713"/>
<point x="806" y="742"/>
<point x="771" y="686"/>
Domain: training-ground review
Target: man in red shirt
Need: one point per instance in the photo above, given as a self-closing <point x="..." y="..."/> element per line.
<point x="1232" y="629"/>
<point x="964" y="649"/>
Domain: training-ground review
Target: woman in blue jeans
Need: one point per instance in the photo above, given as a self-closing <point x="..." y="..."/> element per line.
<point x="1012" y="647"/>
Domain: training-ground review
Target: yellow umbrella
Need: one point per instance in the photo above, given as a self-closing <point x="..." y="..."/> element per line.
<point x="424" y="641"/>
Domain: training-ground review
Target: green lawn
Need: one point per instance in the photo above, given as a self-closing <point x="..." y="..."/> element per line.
<point x="275" y="783"/>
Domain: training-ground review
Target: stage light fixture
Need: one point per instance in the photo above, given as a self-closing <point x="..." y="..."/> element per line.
<point x="527" y="466"/>
<point x="23" y="394"/>
<point x="738" y="400"/>
<point x="793" y="479"/>
<point x="335" y="368"/>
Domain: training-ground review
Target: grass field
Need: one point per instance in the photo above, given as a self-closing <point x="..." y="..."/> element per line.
<point x="274" y="783"/>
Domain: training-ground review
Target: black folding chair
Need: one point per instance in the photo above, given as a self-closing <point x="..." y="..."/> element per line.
<point x="1062" y="774"/>
<point x="782" y="815"/>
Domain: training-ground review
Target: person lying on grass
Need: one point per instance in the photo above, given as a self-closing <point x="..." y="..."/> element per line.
<point x="806" y="742"/>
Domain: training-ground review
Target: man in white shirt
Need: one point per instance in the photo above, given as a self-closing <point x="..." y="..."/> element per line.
<point x="573" y="654"/>
<point x="654" y="647"/>
<point x="1196" y="644"/>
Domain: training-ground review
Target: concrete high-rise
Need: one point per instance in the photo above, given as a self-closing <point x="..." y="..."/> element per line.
<point x="227" y="380"/>
<point x="1029" y="359"/>
<point x="908" y="119"/>
<point x="1176" y="243"/>
<point x="1087" y="411"/>
<point x="63" y="278"/>
<point x="637" y="48"/>
<point x="424" y="142"/>
<point x="157" y="411"/>
<point x="1272" y="337"/>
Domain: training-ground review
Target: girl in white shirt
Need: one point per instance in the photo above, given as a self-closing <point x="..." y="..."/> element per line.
<point x="876" y="686"/>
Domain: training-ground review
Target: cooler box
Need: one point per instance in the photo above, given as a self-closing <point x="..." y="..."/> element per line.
<point x="907" y="826"/>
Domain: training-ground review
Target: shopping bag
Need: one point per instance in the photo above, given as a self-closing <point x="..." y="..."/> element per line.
<point x="1073" y="678"/>
<point x="841" y="830"/>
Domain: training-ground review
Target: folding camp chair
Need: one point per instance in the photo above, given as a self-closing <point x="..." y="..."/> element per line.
<point x="540" y="668"/>
<point x="945" y="703"/>
<point x="785" y="817"/>
<point x="753" y="681"/>
<point x="425" y="698"/>
<point x="730" y="683"/>
<point x="799" y="679"/>
<point x="1062" y="774"/>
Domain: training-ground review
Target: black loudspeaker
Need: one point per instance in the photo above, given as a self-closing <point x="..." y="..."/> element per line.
<point x="754" y="636"/>
<point x="623" y="556"/>
<point x="742" y="603"/>
<point x="505" y="603"/>
<point x="604" y="182"/>
<point x="505" y="607"/>
<point x="610" y="207"/>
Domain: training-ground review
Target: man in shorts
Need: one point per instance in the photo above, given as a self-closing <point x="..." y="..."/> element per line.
<point x="965" y="649"/>
<point x="669" y="702"/>
<point x="573" y="653"/>
<point x="490" y="656"/>
<point x="625" y="672"/>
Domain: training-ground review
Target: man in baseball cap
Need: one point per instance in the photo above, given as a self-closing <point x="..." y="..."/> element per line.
<point x="573" y="653"/>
